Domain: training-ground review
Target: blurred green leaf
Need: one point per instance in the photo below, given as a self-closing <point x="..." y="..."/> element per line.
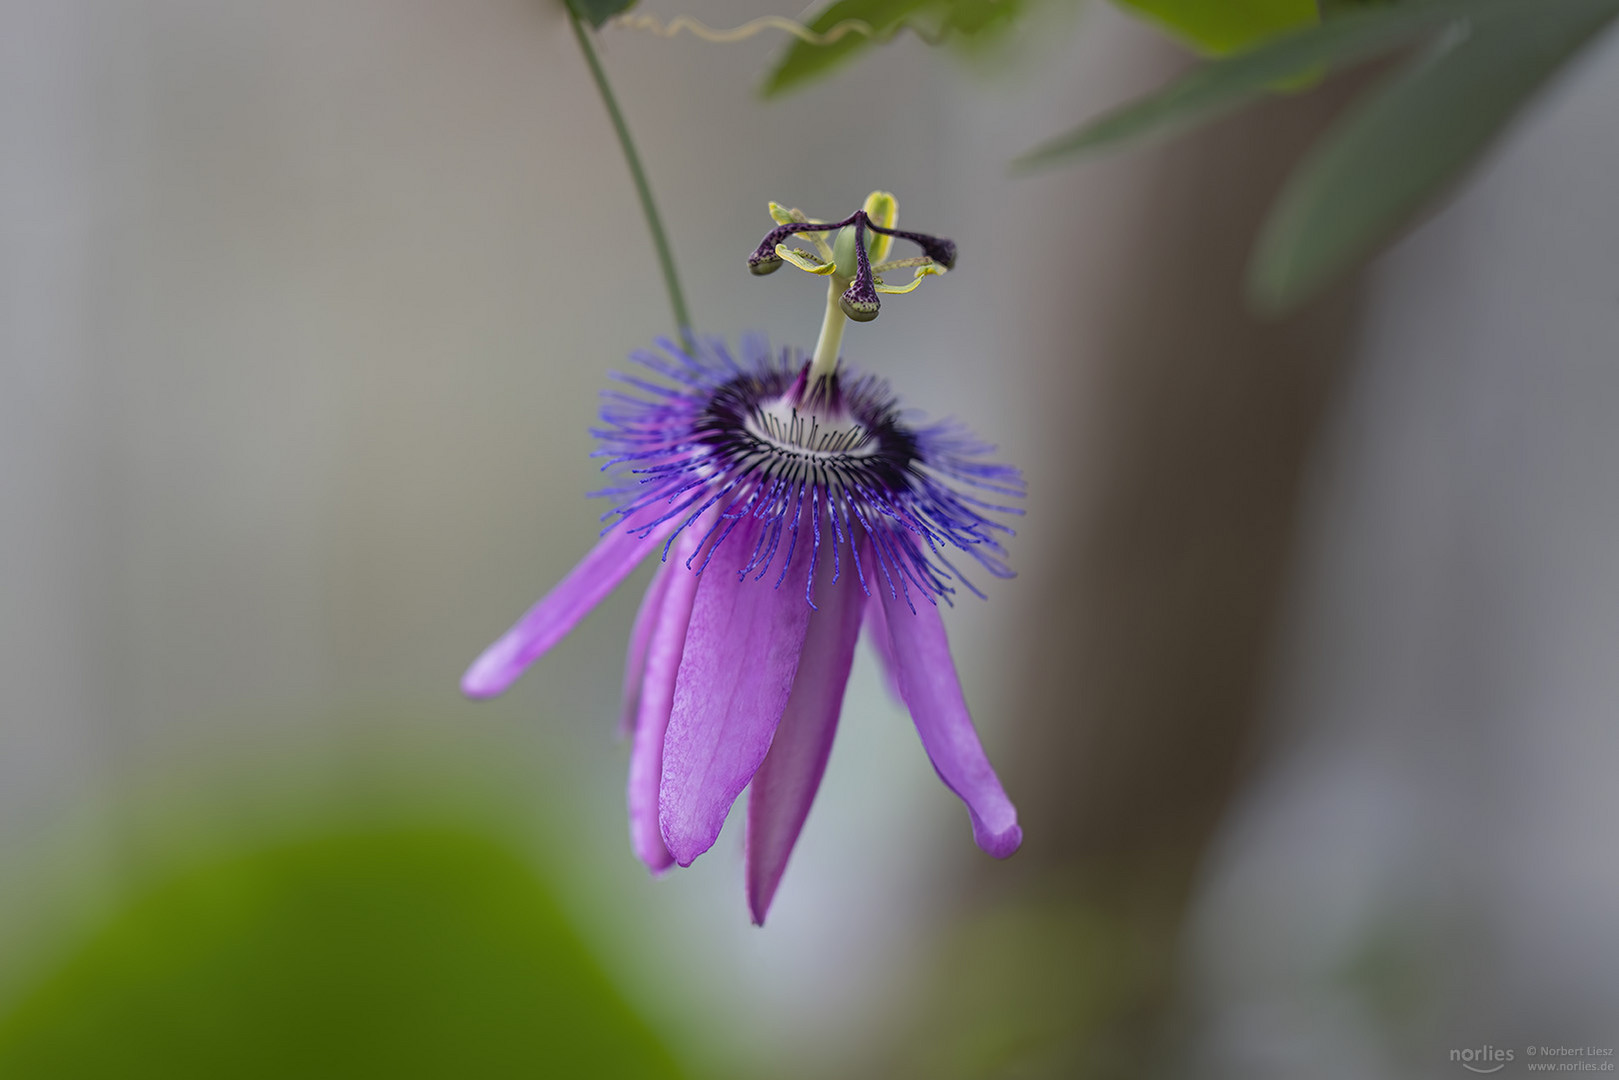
<point x="395" y="950"/>
<point x="1217" y="27"/>
<point x="1227" y="24"/>
<point x="1221" y="85"/>
<point x="1330" y="8"/>
<point x="1398" y="146"/>
<point x="803" y="62"/>
<point x="596" y="12"/>
<point x="970" y="19"/>
<point x="935" y="20"/>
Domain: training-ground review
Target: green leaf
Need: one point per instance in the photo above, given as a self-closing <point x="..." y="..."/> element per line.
<point x="960" y="21"/>
<point x="1331" y="8"/>
<point x="969" y="19"/>
<point x="1226" y="25"/>
<point x="596" y="12"/>
<point x="1222" y="85"/>
<point x="1399" y="146"/>
<point x="803" y="62"/>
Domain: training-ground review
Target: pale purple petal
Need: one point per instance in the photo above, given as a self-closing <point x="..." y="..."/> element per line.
<point x="741" y="654"/>
<point x="877" y="633"/>
<point x="928" y="679"/>
<point x="646" y="619"/>
<point x="656" y="696"/>
<point x="785" y="785"/>
<point x="548" y="622"/>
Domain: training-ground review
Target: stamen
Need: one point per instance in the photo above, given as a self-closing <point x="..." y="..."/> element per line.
<point x="936" y="250"/>
<point x="785" y="215"/>
<point x="764" y="259"/>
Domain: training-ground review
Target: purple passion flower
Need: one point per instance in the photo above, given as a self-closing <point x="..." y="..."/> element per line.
<point x="789" y="505"/>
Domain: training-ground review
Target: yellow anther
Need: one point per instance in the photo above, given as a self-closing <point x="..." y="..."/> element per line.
<point x="928" y="269"/>
<point x="900" y="264"/>
<point x="805" y="260"/>
<point x="785" y="216"/>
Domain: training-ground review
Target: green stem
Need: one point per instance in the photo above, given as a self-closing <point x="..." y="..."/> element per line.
<point x="825" y="360"/>
<point x="654" y="223"/>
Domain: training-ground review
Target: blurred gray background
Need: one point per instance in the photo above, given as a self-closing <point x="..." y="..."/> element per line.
<point x="1305" y="687"/>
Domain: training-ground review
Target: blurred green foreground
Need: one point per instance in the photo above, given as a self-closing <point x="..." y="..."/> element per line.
<point x="412" y="943"/>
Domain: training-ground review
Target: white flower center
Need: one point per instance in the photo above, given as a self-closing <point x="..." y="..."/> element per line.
<point x="811" y="432"/>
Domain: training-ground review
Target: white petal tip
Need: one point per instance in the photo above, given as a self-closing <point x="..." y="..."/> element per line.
<point x="479" y="684"/>
<point x="493" y="673"/>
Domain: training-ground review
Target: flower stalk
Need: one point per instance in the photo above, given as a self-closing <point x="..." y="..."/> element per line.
<point x="643" y="189"/>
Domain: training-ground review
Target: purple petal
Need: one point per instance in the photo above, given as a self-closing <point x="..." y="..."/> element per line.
<point x="646" y="620"/>
<point x="549" y="621"/>
<point x="741" y="654"/>
<point x="657" y="694"/>
<point x="877" y="633"/>
<point x="785" y="785"/>
<point x="928" y="679"/>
